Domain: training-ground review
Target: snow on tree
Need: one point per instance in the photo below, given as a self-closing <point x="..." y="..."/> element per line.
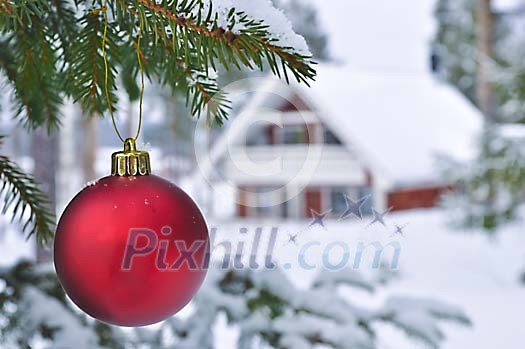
<point x="267" y="309"/>
<point x="454" y="44"/>
<point x="492" y="188"/>
<point x="509" y="75"/>
<point x="456" y="48"/>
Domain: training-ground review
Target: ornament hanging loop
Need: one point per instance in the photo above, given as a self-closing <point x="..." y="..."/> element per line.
<point x="130" y="145"/>
<point x="130" y="161"/>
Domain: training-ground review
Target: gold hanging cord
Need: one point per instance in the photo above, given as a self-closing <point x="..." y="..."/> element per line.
<point x="106" y="67"/>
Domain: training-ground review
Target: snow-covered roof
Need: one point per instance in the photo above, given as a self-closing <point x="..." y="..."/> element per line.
<point x="399" y="122"/>
<point x="383" y="98"/>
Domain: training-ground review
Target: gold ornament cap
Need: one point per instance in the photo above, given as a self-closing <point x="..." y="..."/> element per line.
<point x="130" y="161"/>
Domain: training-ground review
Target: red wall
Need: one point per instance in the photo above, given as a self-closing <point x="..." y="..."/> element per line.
<point x="399" y="200"/>
<point x="313" y="201"/>
<point x="425" y="197"/>
<point x="242" y="209"/>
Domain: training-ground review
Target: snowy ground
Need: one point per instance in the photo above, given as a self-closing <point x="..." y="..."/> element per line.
<point x="467" y="269"/>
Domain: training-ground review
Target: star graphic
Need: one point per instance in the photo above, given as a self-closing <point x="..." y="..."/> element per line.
<point x="318" y="218"/>
<point x="293" y="239"/>
<point x="379" y="217"/>
<point x="353" y="207"/>
<point x="399" y="230"/>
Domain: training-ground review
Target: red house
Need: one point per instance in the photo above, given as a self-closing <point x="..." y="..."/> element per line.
<point x="372" y="127"/>
<point x="291" y="149"/>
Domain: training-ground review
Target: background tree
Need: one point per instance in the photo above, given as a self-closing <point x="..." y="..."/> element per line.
<point x="484" y="19"/>
<point x="478" y="48"/>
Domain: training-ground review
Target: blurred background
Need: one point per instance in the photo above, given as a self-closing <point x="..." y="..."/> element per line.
<point x="417" y="117"/>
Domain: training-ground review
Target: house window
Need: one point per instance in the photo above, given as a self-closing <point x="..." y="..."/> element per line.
<point x="258" y="136"/>
<point x="331" y="138"/>
<point x="366" y="209"/>
<point x="266" y="202"/>
<point x="293" y="135"/>
<point x="337" y="200"/>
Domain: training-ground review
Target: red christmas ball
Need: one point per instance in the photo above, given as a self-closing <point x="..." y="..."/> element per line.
<point x="131" y="250"/>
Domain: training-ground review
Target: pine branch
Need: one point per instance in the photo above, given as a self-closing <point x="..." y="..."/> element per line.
<point x="129" y="71"/>
<point x="254" y="43"/>
<point x="7" y="60"/>
<point x="86" y="78"/>
<point x="203" y="93"/>
<point x="186" y="30"/>
<point x="16" y="14"/>
<point x="30" y="65"/>
<point x="192" y="39"/>
<point x="37" y="36"/>
<point x="62" y="21"/>
<point x="6" y="8"/>
<point x="23" y="196"/>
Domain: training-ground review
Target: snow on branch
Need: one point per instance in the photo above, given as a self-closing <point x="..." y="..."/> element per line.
<point x="417" y="317"/>
<point x="346" y="276"/>
<point x="278" y="25"/>
<point x="270" y="308"/>
<point x="264" y="306"/>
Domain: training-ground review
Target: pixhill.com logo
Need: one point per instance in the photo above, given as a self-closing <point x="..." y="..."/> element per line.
<point x="308" y="253"/>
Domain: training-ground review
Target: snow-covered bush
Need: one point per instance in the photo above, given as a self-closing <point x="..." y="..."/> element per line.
<point x="266" y="308"/>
